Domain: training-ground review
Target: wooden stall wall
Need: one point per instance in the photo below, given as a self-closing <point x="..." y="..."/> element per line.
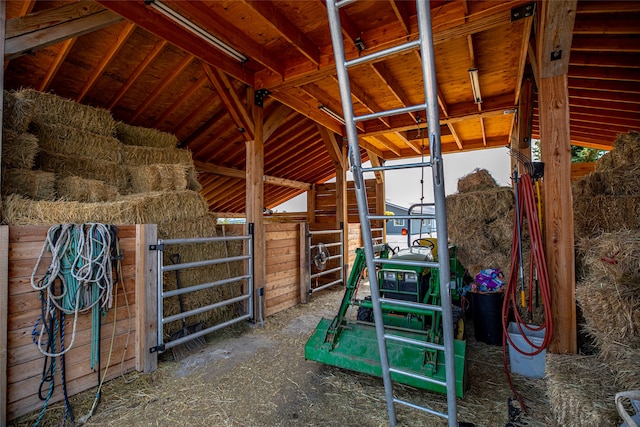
<point x="24" y="363"/>
<point x="578" y="170"/>
<point x="325" y="201"/>
<point x="282" y="266"/>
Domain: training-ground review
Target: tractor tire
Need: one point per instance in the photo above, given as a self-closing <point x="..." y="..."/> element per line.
<point x="365" y="314"/>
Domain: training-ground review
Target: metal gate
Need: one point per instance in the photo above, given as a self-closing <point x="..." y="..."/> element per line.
<point x="327" y="270"/>
<point x="247" y="295"/>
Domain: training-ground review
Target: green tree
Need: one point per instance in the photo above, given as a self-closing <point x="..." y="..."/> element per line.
<point x="578" y="154"/>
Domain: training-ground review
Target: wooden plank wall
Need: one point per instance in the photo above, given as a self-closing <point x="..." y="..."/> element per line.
<point x="282" y="266"/>
<point x="325" y="202"/>
<point x="578" y="170"/>
<point x="25" y="362"/>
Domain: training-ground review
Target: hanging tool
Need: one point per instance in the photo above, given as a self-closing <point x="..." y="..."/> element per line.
<point x="523" y="301"/>
<point x="181" y="351"/>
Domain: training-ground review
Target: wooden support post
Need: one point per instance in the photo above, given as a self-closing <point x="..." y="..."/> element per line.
<point x="146" y="297"/>
<point x="255" y="206"/>
<point x="305" y="279"/>
<point x="556" y="29"/>
<point x="4" y="314"/>
<point x="342" y="217"/>
<point x="311" y="204"/>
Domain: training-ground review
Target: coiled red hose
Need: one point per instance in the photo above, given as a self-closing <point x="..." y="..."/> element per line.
<point x="526" y="206"/>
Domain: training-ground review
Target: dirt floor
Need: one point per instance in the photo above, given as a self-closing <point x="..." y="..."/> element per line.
<point x="253" y="376"/>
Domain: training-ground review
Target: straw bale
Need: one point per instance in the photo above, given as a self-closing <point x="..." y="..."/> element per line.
<point x="85" y="190"/>
<point x="192" y="178"/>
<point x="487" y="205"/>
<point x="478" y="180"/>
<point x="17" y="112"/>
<point x="581" y="391"/>
<point x="625" y="153"/>
<point x="139" y="156"/>
<point x="624" y="362"/>
<point x="111" y="173"/>
<point x="34" y="184"/>
<point x="621" y="181"/>
<point x="62" y="139"/>
<point x="157" y="177"/>
<point x="141" y="136"/>
<point x="50" y="108"/>
<point x="594" y="215"/>
<point x="611" y="310"/>
<point x="166" y="206"/>
<point x="19" y="150"/>
<point x="610" y="255"/>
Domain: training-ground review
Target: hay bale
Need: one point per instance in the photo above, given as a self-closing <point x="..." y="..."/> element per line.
<point x="19" y="150"/>
<point x="157" y="177"/>
<point x="17" y="112"/>
<point x="192" y="178"/>
<point x="478" y="180"/>
<point x="625" y="153"/>
<point x="50" y="108"/>
<point x="37" y="185"/>
<point x="111" y="173"/>
<point x="141" y="136"/>
<point x="610" y="255"/>
<point x="167" y="206"/>
<point x="140" y="156"/>
<point x="581" y="391"/>
<point x="611" y="310"/>
<point x="594" y="215"/>
<point x="625" y="365"/>
<point x="621" y="181"/>
<point x="67" y="140"/>
<point x="85" y="190"/>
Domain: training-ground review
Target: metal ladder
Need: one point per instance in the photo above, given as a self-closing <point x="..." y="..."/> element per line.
<point x="425" y="44"/>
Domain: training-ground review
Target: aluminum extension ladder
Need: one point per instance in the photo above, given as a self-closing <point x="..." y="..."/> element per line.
<point x="425" y="43"/>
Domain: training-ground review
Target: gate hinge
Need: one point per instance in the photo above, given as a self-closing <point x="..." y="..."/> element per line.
<point x="159" y="247"/>
<point x="157" y="349"/>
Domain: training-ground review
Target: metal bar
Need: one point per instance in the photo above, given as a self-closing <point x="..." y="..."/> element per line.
<point x="202" y="240"/>
<point x="207" y="285"/>
<point x="413" y="217"/>
<point x="324" y="273"/>
<point x="419" y="377"/>
<point x="419" y="343"/>
<point x="213" y="328"/>
<point x="327" y="245"/>
<point x="410" y="304"/>
<point x="397" y="167"/>
<point x="361" y="197"/>
<point x="388" y="113"/>
<point x="319" y="288"/>
<point x="381" y="53"/>
<point x="160" y="284"/>
<point x="204" y="309"/>
<point x="319" y="232"/>
<point x="428" y="264"/>
<point x="343" y="3"/>
<point x="203" y="263"/>
<point x="433" y="126"/>
<point x="422" y="408"/>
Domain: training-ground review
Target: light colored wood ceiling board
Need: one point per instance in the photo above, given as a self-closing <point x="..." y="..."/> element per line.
<point x="301" y="102"/>
<point x="607" y="23"/>
<point x="139" y="70"/>
<point x="609" y="43"/>
<point x="122" y="38"/>
<point x="275" y="119"/>
<point x="45" y="28"/>
<point x="324" y="98"/>
<point x="180" y="101"/>
<point x="392" y="83"/>
<point x="406" y="142"/>
<point x="365" y="145"/>
<point x="604" y="117"/>
<point x="287" y="155"/>
<point x="193" y="126"/>
<point x="605" y="59"/>
<point x="65" y="48"/>
<point x="605" y="85"/>
<point x="384" y="143"/>
<point x="604" y="73"/>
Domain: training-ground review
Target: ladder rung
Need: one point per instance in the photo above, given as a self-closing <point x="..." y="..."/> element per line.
<point x="422" y="408"/>
<point x="406" y="340"/>
<point x="416" y="305"/>
<point x="387" y="113"/>
<point x="411" y="217"/>
<point x="383" y="53"/>
<point x="418" y="377"/>
<point x="343" y="3"/>
<point x="397" y="167"/>
<point x="427" y="264"/>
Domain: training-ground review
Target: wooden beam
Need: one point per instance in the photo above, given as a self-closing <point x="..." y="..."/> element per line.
<point x="600" y="43"/>
<point x="286" y="29"/>
<point x="4" y="308"/>
<point x="557" y="20"/>
<point x="146" y="296"/>
<point x="283" y="182"/>
<point x="169" y="30"/>
<point x="525" y="113"/>
<point x="391" y="82"/>
<point x="151" y="56"/>
<point x="402" y="13"/>
<point x="376" y="162"/>
<point x="522" y="58"/>
<point x="124" y="35"/>
<point x="334" y="147"/>
<point x="292" y="98"/>
<point x="382" y="140"/>
<point x="275" y="119"/>
<point x="166" y="81"/>
<point x="219" y="170"/>
<point x="48" y="27"/>
<point x="181" y="100"/>
<point x="64" y="50"/>
<point x="205" y="126"/>
<point x="254" y="203"/>
<point x="230" y="99"/>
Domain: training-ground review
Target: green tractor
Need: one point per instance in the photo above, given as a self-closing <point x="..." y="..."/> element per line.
<point x="350" y="343"/>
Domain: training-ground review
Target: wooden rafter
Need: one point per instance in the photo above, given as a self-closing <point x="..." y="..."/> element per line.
<point x="48" y="27"/>
<point x="166" y="81"/>
<point x="203" y="127"/>
<point x="376" y="162"/>
<point x="333" y="145"/>
<point x="292" y="99"/>
<point x="124" y="35"/>
<point x="64" y="50"/>
<point x="384" y="141"/>
<point x="522" y="58"/>
<point x="392" y="83"/>
<point x="361" y="95"/>
<point x="325" y="99"/>
<point x="275" y="119"/>
<point x="179" y="102"/>
<point x="142" y="66"/>
<point x="402" y="13"/>
<point x="407" y="142"/>
<point x="230" y="99"/>
<point x="286" y="29"/>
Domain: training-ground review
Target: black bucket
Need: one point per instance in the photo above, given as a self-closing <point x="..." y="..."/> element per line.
<point x="487" y="317"/>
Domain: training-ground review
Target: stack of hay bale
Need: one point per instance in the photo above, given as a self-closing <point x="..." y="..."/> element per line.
<point x="95" y="169"/>
<point x="608" y="292"/>
<point x="480" y="222"/>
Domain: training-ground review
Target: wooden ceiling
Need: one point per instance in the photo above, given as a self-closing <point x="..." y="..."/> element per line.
<point x="151" y="71"/>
